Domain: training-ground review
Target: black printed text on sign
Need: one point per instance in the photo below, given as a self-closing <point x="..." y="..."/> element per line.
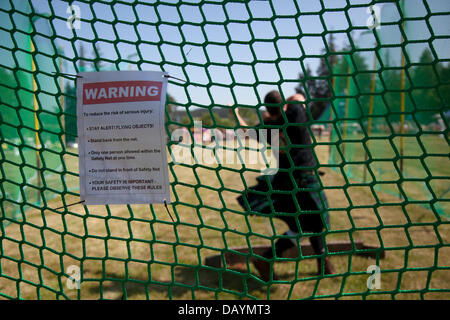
<point x="122" y="151"/>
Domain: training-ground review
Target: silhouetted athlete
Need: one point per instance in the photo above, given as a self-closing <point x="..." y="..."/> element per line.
<point x="307" y="209"/>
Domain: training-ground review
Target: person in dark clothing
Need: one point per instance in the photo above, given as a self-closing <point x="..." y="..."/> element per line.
<point x="306" y="209"/>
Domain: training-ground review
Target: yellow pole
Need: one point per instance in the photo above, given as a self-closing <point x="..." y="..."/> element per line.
<point x="402" y="97"/>
<point x="36" y="123"/>
<point x="331" y="114"/>
<point x="61" y="87"/>
<point x="369" y="123"/>
<point x="402" y="109"/>
<point x="346" y="108"/>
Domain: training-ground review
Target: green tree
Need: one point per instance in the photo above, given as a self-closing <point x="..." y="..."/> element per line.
<point x="444" y="84"/>
<point x="206" y="119"/>
<point x="319" y="87"/>
<point x="8" y="97"/>
<point x="250" y="116"/>
<point x="351" y="78"/>
<point x="8" y="103"/>
<point x="425" y="88"/>
<point x="70" y="110"/>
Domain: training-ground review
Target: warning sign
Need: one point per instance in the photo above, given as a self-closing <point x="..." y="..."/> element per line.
<point x="122" y="144"/>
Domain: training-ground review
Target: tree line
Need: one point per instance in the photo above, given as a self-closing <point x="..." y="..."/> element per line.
<point x="426" y="87"/>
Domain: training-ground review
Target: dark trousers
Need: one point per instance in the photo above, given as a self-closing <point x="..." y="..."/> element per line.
<point x="297" y="208"/>
<point x="311" y="223"/>
<point x="311" y="218"/>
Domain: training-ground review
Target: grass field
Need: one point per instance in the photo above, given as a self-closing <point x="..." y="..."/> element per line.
<point x="138" y="249"/>
<point x="425" y="168"/>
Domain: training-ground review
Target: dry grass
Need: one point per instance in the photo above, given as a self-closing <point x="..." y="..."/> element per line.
<point x="139" y="250"/>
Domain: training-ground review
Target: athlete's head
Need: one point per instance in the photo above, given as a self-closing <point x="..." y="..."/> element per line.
<point x="273" y="102"/>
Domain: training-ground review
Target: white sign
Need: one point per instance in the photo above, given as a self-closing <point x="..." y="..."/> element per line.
<point x="122" y="142"/>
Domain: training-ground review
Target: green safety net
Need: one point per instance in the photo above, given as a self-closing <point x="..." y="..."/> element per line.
<point x="380" y="136"/>
<point x="31" y="131"/>
<point x="389" y="104"/>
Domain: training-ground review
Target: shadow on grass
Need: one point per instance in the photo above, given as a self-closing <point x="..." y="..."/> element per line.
<point x="188" y="283"/>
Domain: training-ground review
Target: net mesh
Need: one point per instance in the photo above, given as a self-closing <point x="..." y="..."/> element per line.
<point x="380" y="133"/>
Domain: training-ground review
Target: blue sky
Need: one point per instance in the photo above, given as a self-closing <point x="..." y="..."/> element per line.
<point x="255" y="45"/>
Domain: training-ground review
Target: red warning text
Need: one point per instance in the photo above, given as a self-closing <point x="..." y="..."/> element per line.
<point x="121" y="91"/>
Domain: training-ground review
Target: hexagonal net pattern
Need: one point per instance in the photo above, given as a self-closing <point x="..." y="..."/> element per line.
<point x="375" y="76"/>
